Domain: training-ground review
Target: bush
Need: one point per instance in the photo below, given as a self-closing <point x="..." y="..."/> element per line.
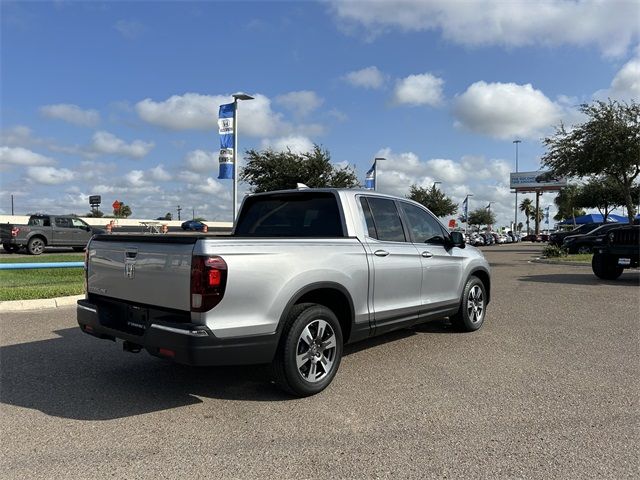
<point x="552" y="251"/>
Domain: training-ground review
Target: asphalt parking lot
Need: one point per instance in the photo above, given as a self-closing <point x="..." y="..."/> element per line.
<point x="549" y="388"/>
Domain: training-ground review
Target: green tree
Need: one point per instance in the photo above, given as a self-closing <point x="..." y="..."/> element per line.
<point x="434" y="199"/>
<point x="95" y="214"/>
<point x="520" y="226"/>
<point x="602" y="194"/>
<point x="606" y="144"/>
<point x="566" y="201"/>
<point x="268" y="170"/>
<point x="168" y="216"/>
<point x="124" y="211"/>
<point x="526" y="207"/>
<point x="481" y="216"/>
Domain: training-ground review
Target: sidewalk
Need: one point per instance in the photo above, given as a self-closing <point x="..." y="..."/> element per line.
<point x="40" y="304"/>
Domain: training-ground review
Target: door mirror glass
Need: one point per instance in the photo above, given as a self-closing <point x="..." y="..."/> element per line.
<point x="457" y="239"/>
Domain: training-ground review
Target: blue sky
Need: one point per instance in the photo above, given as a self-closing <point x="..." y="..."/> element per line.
<point x="120" y="98"/>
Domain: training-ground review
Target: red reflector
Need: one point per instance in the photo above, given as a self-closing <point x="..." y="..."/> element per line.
<point x="214" y="278"/>
<point x="87" y="328"/>
<point x="165" y="352"/>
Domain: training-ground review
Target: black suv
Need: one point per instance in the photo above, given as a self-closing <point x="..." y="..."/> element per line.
<point x="585" y="243"/>
<point x="620" y="250"/>
<point x="557" y="238"/>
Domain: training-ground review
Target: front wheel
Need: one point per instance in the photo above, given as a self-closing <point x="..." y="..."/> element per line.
<point x="473" y="307"/>
<point x="310" y="350"/>
<point x="604" y="267"/>
<point x="584" y="249"/>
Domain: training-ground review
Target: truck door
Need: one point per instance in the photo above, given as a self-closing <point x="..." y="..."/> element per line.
<point x="62" y="231"/>
<point x="397" y="272"/>
<point x="441" y="266"/>
<point x="81" y="232"/>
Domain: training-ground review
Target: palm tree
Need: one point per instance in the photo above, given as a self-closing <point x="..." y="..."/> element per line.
<point x="526" y="207"/>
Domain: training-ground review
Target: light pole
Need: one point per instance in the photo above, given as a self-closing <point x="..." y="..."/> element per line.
<point x="515" y="215"/>
<point x="489" y="210"/>
<point x="236" y="97"/>
<point x="436" y="183"/>
<point x="466" y="210"/>
<point x="375" y="171"/>
<point x="179" y="210"/>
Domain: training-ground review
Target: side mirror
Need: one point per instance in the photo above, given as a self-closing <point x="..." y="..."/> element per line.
<point x="457" y="239"/>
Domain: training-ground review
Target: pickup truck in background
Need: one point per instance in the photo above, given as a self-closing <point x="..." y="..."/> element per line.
<point x="46" y="231"/>
<point x="303" y="273"/>
<point x="619" y="249"/>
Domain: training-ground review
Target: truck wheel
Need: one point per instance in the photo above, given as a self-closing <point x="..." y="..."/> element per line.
<point x="310" y="350"/>
<point x="35" y="246"/>
<point x="584" y="249"/>
<point x="78" y="249"/>
<point x="473" y="307"/>
<point x="9" y="248"/>
<point x="604" y="267"/>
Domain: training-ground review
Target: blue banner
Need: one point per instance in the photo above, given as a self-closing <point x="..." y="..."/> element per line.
<point x="465" y="206"/>
<point x="226" y="127"/>
<point x="370" y="178"/>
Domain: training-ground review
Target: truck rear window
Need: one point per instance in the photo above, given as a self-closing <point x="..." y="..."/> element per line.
<point x="290" y="215"/>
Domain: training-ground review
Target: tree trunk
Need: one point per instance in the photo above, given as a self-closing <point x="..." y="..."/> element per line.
<point x="536" y="213"/>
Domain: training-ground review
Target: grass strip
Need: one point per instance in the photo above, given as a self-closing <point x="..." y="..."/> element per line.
<point x="79" y="257"/>
<point x="41" y="283"/>
<point x="577" y="258"/>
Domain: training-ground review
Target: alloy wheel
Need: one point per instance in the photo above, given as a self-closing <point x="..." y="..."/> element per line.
<point x="316" y="351"/>
<point x="475" y="304"/>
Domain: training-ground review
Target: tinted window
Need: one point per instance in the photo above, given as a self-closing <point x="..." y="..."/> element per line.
<point x="386" y="219"/>
<point x="63" y="222"/>
<point x="368" y="218"/>
<point x="424" y="228"/>
<point x="290" y="215"/>
<point x="39" y="221"/>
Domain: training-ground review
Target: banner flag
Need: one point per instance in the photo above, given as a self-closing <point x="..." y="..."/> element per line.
<point x="370" y="178"/>
<point x="465" y="207"/>
<point x="226" y="126"/>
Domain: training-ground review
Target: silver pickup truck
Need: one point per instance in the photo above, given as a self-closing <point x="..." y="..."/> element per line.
<point x="303" y="273"/>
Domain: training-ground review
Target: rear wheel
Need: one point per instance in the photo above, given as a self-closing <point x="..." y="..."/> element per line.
<point x="584" y="249"/>
<point x="78" y="249"/>
<point x="604" y="267"/>
<point x="310" y="350"/>
<point x="35" y="246"/>
<point x="473" y="307"/>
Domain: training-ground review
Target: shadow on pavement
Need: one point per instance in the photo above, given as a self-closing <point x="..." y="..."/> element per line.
<point x="628" y="279"/>
<point x="78" y="377"/>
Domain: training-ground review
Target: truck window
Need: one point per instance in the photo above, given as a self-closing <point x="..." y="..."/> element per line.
<point x="77" y="223"/>
<point x="290" y="215"/>
<point x="424" y="228"/>
<point x="39" y="222"/>
<point x="63" y="222"/>
<point x="386" y="220"/>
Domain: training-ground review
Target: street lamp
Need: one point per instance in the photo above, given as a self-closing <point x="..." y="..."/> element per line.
<point x="375" y="171"/>
<point x="466" y="210"/>
<point x="436" y="183"/>
<point x="515" y="215"/>
<point x="236" y="97"/>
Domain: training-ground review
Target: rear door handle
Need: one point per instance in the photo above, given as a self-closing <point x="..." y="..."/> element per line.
<point x="426" y="254"/>
<point x="381" y="253"/>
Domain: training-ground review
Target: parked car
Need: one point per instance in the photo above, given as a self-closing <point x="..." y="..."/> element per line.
<point x="193" y="225"/>
<point x="303" y="273"/>
<point x="620" y="250"/>
<point x="532" y="237"/>
<point x="585" y="243"/>
<point x="557" y="238"/>
<point x="47" y="231"/>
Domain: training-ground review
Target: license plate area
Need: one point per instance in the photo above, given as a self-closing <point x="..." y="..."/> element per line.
<point x="137" y="319"/>
<point x="624" y="261"/>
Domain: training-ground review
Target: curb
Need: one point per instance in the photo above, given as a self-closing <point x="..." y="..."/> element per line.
<point x="549" y="262"/>
<point x="39" y="304"/>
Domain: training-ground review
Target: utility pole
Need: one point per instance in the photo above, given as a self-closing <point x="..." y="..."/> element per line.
<point x="11" y="204"/>
<point x="515" y="216"/>
<point x="179" y="210"/>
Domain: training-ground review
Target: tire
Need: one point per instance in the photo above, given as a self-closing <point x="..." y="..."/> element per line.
<point x="584" y="249"/>
<point x="35" y="246"/>
<point x="9" y="248"/>
<point x="302" y="354"/>
<point x="603" y="266"/>
<point x="78" y="249"/>
<point x="473" y="307"/>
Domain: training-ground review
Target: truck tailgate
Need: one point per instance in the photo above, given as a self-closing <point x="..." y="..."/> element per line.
<point x="147" y="270"/>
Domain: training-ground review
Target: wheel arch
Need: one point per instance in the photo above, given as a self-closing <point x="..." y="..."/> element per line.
<point x="329" y="294"/>
<point x="485" y="278"/>
<point x="37" y="235"/>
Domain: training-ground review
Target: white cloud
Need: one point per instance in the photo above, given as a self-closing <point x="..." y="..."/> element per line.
<point x="107" y="143"/>
<point x="50" y="175"/>
<point x="295" y="143"/>
<point x="130" y="29"/>
<point x="447" y="170"/>
<point x="626" y="84"/>
<point x="611" y="26"/>
<point x="301" y="103"/>
<point x="423" y="89"/>
<point x="369" y="77"/>
<point x="201" y="161"/>
<point x="17" y="135"/>
<point x="505" y="110"/>
<point x="193" y="111"/>
<point x="210" y="187"/>
<point x="23" y="156"/>
<point x="72" y="114"/>
<point x="136" y="178"/>
<point x="159" y="174"/>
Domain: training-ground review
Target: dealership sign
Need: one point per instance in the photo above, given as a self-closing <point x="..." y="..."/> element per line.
<point x="540" y="180"/>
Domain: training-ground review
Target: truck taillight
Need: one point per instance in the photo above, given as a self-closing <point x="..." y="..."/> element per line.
<point x="15" y="231"/>
<point x="86" y="270"/>
<point x="208" y="282"/>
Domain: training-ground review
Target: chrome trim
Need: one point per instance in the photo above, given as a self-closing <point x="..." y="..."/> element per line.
<point x="191" y="333"/>
<point x="93" y="310"/>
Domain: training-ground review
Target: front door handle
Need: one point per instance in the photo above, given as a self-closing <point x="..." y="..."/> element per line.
<point x="426" y="254"/>
<point x="381" y="253"/>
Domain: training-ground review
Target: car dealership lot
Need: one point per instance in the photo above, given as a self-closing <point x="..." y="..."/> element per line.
<point x="548" y="388"/>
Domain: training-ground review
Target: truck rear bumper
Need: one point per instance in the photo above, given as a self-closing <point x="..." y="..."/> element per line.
<point x="185" y="343"/>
